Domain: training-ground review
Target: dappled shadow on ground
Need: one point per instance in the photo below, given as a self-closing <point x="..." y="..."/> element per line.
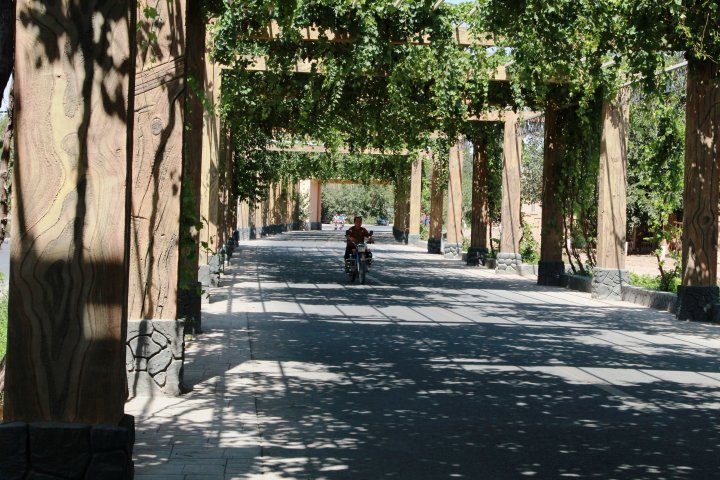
<point x="435" y="370"/>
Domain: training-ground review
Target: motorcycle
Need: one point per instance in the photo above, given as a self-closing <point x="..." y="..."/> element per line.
<point x="359" y="261"/>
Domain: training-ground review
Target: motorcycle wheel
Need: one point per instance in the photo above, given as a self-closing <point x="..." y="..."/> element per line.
<point x="362" y="270"/>
<point x="353" y="271"/>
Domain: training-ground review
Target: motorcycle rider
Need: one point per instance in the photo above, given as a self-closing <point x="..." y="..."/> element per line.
<point x="354" y="235"/>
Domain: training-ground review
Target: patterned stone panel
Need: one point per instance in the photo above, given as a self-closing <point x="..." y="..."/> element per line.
<point x="508" y="263"/>
<point x="154" y="357"/>
<point x="607" y="283"/>
<point x="452" y="250"/>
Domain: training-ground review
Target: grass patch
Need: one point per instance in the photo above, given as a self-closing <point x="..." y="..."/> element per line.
<point x="652" y="282"/>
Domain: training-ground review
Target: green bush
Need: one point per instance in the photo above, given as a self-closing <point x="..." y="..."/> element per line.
<point x="424" y="232"/>
<point x="529" y="248"/>
<point x="655" y="282"/>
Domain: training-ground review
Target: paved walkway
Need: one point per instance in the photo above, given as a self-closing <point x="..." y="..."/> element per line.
<point x="433" y="370"/>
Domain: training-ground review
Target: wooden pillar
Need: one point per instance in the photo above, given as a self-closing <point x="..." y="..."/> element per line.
<point x="453" y="245"/>
<point x="509" y="258"/>
<point x="551" y="265"/>
<point x="211" y="136"/>
<point x="415" y="196"/>
<point x="698" y="295"/>
<point x="225" y="212"/>
<point x="243" y="219"/>
<point x="402" y="206"/>
<point x="609" y="275"/>
<point x="289" y="208"/>
<point x="157" y="168"/>
<point x="68" y="266"/>
<point x="189" y="288"/>
<point x="480" y="206"/>
<point x="437" y="194"/>
<point x="271" y="221"/>
<point x="315" y="210"/>
<point x="257" y="229"/>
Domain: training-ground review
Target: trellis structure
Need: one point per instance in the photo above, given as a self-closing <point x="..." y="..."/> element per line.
<point x="110" y="171"/>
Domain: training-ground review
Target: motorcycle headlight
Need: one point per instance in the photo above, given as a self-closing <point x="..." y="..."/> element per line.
<point x="361" y="248"/>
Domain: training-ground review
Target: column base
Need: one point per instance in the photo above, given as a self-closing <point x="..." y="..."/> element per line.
<point x="452" y="250"/>
<point x="315" y="226"/>
<point x="698" y="303"/>
<point x="550" y="273"/>
<point x="434" y="245"/>
<point x="400" y="235"/>
<point x="607" y="283"/>
<point x="413" y="238"/>
<point x="477" y="256"/>
<point x="154" y="355"/>
<point x="67" y="450"/>
<point x="243" y="234"/>
<point x="509" y="263"/>
<point x="189" y="306"/>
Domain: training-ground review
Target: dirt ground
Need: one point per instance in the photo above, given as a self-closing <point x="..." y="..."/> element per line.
<point x="646" y="264"/>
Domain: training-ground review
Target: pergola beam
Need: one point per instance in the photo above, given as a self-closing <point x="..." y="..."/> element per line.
<point x="258" y="63"/>
<point x="320" y="149"/>
<point x="312" y="34"/>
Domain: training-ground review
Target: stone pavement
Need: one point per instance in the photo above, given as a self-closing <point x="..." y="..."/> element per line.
<point x="433" y="370"/>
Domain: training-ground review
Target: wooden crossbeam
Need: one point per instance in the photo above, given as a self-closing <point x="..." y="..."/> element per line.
<point x="320" y="149"/>
<point x="312" y="34"/>
<point x="257" y="63"/>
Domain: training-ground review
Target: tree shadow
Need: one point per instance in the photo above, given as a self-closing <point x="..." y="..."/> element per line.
<point x="470" y="376"/>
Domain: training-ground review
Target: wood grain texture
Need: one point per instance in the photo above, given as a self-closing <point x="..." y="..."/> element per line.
<point x="157" y="167"/>
<point x="211" y="137"/>
<point x="68" y="276"/>
<point x="415" y="196"/>
<point x="192" y="156"/>
<point x="702" y="155"/>
<point x="402" y="202"/>
<point x="612" y="185"/>
<point x="454" y="207"/>
<point x="480" y="216"/>
<point x="551" y="229"/>
<point x="437" y="194"/>
<point x="510" y="213"/>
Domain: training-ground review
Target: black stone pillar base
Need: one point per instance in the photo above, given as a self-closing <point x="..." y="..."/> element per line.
<point x="434" y="245"/>
<point x="477" y="256"/>
<point x="607" y="283"/>
<point x="67" y="450"/>
<point x="315" y="226"/>
<point x="697" y="303"/>
<point x="550" y="273"/>
<point x="189" y="307"/>
<point x="399" y="235"/>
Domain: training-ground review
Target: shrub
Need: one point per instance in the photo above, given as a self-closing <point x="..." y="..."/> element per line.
<point x="529" y="248"/>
